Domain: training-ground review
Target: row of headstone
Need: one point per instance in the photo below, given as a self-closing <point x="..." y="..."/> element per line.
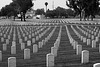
<point x="12" y="60"/>
<point x="96" y="38"/>
<point x="26" y="53"/>
<point x="84" y="54"/>
<point x="9" y="36"/>
<point x="93" y="34"/>
<point x="50" y="57"/>
<point x="69" y="36"/>
<point x="35" y="47"/>
<point x="84" y="39"/>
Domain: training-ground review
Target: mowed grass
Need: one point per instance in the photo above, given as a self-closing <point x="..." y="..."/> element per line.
<point x="66" y="56"/>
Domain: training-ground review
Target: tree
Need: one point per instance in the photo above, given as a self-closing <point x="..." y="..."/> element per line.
<point x="59" y="12"/>
<point x="70" y="12"/>
<point x="90" y="7"/>
<point x="10" y="10"/>
<point x="24" y="6"/>
<point x="15" y="9"/>
<point x="39" y="12"/>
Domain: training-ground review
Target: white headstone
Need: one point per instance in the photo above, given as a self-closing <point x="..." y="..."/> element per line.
<point x="37" y="38"/>
<point x="23" y="35"/>
<point x="43" y="41"/>
<point x="96" y="65"/>
<point x="33" y="40"/>
<point x="85" y="56"/>
<point x="8" y="36"/>
<point x="20" y="40"/>
<point x="27" y="53"/>
<point x="40" y="44"/>
<point x="2" y="39"/>
<point x="22" y="46"/>
<point x="89" y="35"/>
<point x="84" y="39"/>
<point x="35" y="48"/>
<point x="75" y="44"/>
<point x="88" y="42"/>
<point x="13" y="49"/>
<point x="25" y="38"/>
<point x="4" y="47"/>
<point x="7" y="41"/>
<point x="56" y="44"/>
<point x="28" y="43"/>
<point x="40" y="36"/>
<point x="14" y="38"/>
<point x="79" y="49"/>
<point x="54" y="51"/>
<point x="81" y="38"/>
<point x="50" y="60"/>
<point x="0" y="55"/>
<point x="32" y="34"/>
<point x="93" y="44"/>
<point x="97" y="39"/>
<point x="12" y="62"/>
<point x="29" y="36"/>
<point x="92" y="37"/>
<point x="13" y="43"/>
<point x="95" y="33"/>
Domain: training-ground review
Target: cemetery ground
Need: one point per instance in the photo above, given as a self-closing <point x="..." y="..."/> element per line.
<point x="49" y="43"/>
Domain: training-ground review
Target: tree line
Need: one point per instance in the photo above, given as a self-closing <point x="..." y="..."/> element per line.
<point x="59" y="12"/>
<point x="84" y="8"/>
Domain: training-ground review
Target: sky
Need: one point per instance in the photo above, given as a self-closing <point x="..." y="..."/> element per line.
<point x="40" y="3"/>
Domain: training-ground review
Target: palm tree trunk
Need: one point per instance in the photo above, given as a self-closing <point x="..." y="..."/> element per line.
<point x="24" y="17"/>
<point x="80" y="17"/>
<point x="46" y="8"/>
<point x="14" y="18"/>
<point x="21" y="16"/>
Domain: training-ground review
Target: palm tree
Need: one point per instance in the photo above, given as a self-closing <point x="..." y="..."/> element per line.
<point x="46" y="4"/>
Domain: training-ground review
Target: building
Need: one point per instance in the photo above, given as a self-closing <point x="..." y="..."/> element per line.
<point x="30" y="13"/>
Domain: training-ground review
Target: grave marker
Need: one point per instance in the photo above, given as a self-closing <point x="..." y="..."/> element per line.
<point x="35" y="48"/>
<point x="28" y="43"/>
<point x="96" y="65"/>
<point x="85" y="56"/>
<point x="88" y="41"/>
<point x="27" y="53"/>
<point x="54" y="51"/>
<point x="13" y="49"/>
<point x="22" y="46"/>
<point x="50" y="60"/>
<point x="4" y="47"/>
<point x="12" y="62"/>
<point x="79" y="49"/>
<point x="93" y="44"/>
<point x="0" y="55"/>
